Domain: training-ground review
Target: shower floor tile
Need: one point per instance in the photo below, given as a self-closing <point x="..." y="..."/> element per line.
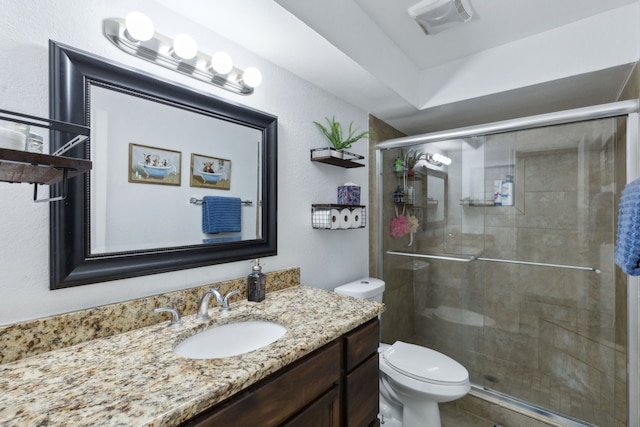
<point x="452" y="416"/>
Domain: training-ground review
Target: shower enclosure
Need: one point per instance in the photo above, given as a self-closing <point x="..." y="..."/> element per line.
<point x="516" y="281"/>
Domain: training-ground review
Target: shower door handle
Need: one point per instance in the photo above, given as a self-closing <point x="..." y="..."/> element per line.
<point x="468" y="258"/>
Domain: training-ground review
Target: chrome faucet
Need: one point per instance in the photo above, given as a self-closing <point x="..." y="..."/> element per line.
<point x="223" y="302"/>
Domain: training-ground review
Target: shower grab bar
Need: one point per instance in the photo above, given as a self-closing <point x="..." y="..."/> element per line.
<point x="541" y="264"/>
<point x="506" y="261"/>
<point x="442" y="257"/>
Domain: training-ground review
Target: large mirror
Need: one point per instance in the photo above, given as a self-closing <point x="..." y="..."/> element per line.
<point x="158" y="151"/>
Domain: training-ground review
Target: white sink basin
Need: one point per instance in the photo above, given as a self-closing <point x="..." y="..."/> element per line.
<point x="230" y="340"/>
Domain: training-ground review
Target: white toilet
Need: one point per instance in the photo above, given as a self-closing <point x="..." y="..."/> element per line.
<point x="413" y="379"/>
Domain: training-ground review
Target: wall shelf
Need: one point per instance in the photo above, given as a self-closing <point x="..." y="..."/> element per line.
<point x="331" y="216"/>
<point x="36" y="168"/>
<point x="341" y="158"/>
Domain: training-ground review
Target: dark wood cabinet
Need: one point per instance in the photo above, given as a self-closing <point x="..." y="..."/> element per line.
<point x="324" y="412"/>
<point x="336" y="385"/>
<point x="360" y="385"/>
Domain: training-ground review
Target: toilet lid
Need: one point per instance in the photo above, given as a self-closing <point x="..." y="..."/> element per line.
<point x="424" y="364"/>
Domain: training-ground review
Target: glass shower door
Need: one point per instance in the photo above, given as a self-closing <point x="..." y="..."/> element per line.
<point x="520" y="289"/>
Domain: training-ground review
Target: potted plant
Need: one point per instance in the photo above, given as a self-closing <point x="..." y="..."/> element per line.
<point x="334" y="133"/>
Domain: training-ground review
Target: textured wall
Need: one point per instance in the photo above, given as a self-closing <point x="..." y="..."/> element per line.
<point x="325" y="258"/>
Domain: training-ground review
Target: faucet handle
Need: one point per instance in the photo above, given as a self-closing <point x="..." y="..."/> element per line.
<point x="225" y="303"/>
<point x="175" y="316"/>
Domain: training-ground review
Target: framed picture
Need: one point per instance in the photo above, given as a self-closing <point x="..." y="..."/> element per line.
<point x="210" y="172"/>
<point x="153" y="165"/>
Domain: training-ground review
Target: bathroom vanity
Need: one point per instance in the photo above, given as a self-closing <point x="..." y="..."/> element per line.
<point x="336" y="385"/>
<point x="323" y="371"/>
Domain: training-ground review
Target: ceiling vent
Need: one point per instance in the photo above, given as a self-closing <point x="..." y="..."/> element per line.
<point x="435" y="16"/>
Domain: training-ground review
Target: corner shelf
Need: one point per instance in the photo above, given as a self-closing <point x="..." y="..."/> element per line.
<point x="36" y="168"/>
<point x="331" y="156"/>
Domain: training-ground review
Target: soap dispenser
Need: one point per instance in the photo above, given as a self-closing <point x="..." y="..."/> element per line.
<point x="256" y="283"/>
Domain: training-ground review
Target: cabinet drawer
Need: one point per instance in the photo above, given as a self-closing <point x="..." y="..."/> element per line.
<point x="361" y="343"/>
<point x="324" y="412"/>
<point x="362" y="394"/>
<point x="288" y="391"/>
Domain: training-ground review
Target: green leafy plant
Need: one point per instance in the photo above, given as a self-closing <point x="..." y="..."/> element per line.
<point x="335" y="135"/>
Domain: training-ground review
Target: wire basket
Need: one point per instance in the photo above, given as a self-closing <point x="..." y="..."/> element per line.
<point x="338" y="217"/>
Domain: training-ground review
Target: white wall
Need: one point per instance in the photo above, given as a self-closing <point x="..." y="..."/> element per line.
<point x="326" y="258"/>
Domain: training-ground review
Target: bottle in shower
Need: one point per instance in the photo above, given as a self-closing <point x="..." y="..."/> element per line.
<point x="497" y="192"/>
<point x="507" y="191"/>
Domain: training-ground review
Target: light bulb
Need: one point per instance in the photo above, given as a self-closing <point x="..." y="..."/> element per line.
<point x="138" y="27"/>
<point x="184" y="46"/>
<point x="221" y="63"/>
<point x="442" y="159"/>
<point x="252" y="77"/>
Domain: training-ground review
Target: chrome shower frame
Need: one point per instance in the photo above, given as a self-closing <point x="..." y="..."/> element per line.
<point x="629" y="109"/>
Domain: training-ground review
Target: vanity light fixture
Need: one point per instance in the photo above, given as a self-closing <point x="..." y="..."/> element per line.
<point x="422" y="158"/>
<point x="136" y="36"/>
<point x="436" y="159"/>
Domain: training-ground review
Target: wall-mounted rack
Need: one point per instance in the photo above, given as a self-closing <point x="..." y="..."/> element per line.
<point x="331" y="216"/>
<point x="331" y="156"/>
<point x="195" y="201"/>
<point x="35" y="168"/>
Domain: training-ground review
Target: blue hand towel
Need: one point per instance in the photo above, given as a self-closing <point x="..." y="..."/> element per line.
<point x="627" y="252"/>
<point x="222" y="239"/>
<point x="221" y="214"/>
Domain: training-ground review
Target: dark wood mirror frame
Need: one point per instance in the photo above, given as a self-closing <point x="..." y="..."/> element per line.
<point x="71" y="72"/>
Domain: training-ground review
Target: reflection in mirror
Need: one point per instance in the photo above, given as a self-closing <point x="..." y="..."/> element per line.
<point x="436" y="196"/>
<point x="155" y="146"/>
<point x="137" y="164"/>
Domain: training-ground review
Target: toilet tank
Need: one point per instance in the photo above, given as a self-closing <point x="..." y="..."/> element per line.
<point x="367" y="288"/>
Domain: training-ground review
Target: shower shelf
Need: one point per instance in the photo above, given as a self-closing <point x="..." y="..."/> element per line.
<point x="477" y="203"/>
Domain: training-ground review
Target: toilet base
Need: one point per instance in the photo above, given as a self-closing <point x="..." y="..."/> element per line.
<point x="411" y="414"/>
<point x="420" y="414"/>
<point x="389" y="422"/>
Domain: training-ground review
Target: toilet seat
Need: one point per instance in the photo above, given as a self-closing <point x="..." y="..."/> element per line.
<point x="424" y="364"/>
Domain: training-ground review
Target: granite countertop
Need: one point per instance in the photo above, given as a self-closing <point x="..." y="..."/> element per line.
<point x="135" y="379"/>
